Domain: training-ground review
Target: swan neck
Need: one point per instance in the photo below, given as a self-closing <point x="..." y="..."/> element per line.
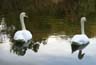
<point x="80" y="52"/>
<point x="22" y="23"/>
<point x="82" y="27"/>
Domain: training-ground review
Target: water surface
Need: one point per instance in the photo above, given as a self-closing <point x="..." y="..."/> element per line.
<point x="57" y="51"/>
<point x="54" y="49"/>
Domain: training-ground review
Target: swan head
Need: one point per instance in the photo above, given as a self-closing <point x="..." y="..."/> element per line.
<point x="23" y="14"/>
<point x="83" y="19"/>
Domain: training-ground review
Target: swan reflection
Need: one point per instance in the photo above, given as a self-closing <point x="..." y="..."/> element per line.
<point x="20" y="47"/>
<point x="53" y="45"/>
<point x="3" y="30"/>
<point x="76" y="47"/>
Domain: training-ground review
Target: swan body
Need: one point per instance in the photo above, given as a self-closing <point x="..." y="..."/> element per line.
<point x="24" y="34"/>
<point x="80" y="41"/>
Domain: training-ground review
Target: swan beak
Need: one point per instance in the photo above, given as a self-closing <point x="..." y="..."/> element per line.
<point x="85" y="20"/>
<point x="26" y="16"/>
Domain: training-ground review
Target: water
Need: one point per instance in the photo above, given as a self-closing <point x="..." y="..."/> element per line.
<point x="54" y="47"/>
<point x="57" y="51"/>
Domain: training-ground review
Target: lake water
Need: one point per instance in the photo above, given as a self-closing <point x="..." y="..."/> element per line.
<point x="55" y="51"/>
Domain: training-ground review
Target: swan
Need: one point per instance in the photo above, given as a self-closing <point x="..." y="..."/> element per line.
<point x="80" y="41"/>
<point x="22" y="35"/>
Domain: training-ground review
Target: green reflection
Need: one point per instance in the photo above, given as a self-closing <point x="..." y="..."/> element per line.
<point x="41" y="27"/>
<point x="49" y="16"/>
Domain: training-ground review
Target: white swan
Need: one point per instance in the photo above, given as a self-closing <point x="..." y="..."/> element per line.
<point x="23" y="35"/>
<point x="80" y="41"/>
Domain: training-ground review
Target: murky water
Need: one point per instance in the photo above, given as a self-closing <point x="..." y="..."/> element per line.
<point x="53" y="48"/>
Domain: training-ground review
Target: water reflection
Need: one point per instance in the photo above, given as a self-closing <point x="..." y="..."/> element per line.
<point x="57" y="50"/>
<point x="20" y="48"/>
<point x="3" y="28"/>
<point x="77" y="47"/>
<point x="45" y="49"/>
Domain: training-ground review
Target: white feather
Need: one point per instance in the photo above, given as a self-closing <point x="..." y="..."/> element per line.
<point x="81" y="38"/>
<point x="23" y="34"/>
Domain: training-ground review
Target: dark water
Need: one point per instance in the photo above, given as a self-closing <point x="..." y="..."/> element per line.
<point x="54" y="46"/>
